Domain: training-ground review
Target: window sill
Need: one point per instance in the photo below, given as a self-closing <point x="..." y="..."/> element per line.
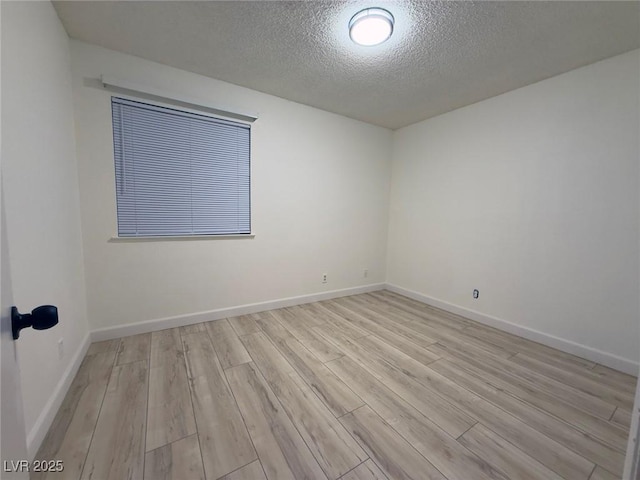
<point x="168" y="238"/>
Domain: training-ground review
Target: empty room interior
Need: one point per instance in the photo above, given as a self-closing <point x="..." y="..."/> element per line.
<point x="320" y="240"/>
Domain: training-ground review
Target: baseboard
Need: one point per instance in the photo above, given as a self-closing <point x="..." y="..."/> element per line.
<point x="604" y="358"/>
<point x="198" y="317"/>
<point x="48" y="413"/>
<point x="45" y="419"/>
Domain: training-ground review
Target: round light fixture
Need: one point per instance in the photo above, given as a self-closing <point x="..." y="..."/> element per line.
<point x="371" y="26"/>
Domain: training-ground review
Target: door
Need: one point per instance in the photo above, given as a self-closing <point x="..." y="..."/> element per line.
<point x="632" y="462"/>
<point x="13" y="443"/>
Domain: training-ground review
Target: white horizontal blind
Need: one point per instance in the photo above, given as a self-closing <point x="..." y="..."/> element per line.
<point x="179" y="173"/>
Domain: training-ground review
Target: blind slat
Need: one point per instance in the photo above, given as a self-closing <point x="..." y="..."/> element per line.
<point x="179" y="173"/>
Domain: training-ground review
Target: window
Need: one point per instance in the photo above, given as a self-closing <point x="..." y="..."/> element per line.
<point x="179" y="173"/>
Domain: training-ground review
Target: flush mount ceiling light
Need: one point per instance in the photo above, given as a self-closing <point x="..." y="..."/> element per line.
<point x="371" y="26"/>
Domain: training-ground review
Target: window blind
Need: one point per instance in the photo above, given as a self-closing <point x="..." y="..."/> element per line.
<point x="179" y="173"/>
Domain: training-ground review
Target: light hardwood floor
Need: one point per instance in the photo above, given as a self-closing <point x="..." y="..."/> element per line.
<point x="371" y="386"/>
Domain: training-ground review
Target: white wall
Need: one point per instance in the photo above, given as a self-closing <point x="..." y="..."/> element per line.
<point x="531" y="197"/>
<point x="320" y="195"/>
<point x="42" y="200"/>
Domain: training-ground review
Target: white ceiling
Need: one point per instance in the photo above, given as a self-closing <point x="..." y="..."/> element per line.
<point x="442" y="55"/>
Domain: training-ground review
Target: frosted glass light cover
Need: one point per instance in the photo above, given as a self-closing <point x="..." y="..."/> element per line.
<point x="371" y="26"/>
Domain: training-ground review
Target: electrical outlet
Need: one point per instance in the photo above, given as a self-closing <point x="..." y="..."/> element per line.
<point x="61" y="348"/>
<point x="324" y="278"/>
<point x="476" y="294"/>
<point x="365" y="274"/>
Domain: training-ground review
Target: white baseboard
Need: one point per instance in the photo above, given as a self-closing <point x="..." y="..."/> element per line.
<point x="198" y="317"/>
<point x="604" y="358"/>
<point x="44" y="421"/>
<point x="48" y="413"/>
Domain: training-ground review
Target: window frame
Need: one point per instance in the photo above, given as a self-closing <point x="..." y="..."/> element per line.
<point x="178" y="106"/>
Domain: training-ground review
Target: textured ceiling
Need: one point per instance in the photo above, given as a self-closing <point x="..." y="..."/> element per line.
<point x="442" y="55"/>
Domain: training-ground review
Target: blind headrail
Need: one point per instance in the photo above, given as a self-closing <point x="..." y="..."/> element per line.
<point x="123" y="86"/>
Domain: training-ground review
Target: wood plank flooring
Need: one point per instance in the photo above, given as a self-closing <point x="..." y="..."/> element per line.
<point x="373" y="386"/>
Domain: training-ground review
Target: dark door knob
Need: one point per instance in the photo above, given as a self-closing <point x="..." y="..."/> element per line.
<point x="40" y="318"/>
